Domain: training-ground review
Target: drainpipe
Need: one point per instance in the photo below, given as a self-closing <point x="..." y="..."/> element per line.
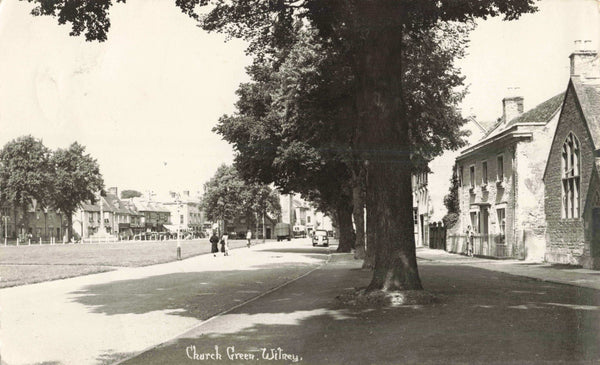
<point x="515" y="185"/>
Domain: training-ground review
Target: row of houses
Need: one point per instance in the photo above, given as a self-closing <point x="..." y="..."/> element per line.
<point x="530" y="188"/>
<point x="111" y="218"/>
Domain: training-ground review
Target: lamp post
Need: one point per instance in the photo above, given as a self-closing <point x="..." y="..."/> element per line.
<point x="178" y="202"/>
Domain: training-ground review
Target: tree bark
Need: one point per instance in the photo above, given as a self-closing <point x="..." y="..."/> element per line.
<point x="25" y="220"/>
<point x="69" y="225"/>
<point x="358" y="203"/>
<point x="386" y="132"/>
<point x="371" y="241"/>
<point x="346" y="237"/>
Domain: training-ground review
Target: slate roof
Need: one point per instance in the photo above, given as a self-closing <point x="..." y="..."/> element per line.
<point x="542" y="113"/>
<point x="588" y="95"/>
<point x="106" y="206"/>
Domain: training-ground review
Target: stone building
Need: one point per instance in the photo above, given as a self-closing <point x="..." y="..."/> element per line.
<point x="571" y="177"/>
<point x="421" y="208"/>
<point x="155" y="216"/>
<point x="501" y="191"/>
<point x="186" y="213"/>
<point x="45" y="223"/>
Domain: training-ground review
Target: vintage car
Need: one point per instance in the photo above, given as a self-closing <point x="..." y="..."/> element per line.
<point x="320" y="238"/>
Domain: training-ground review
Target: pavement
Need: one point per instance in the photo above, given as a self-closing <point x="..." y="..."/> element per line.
<point x="275" y="304"/>
<point x="556" y="273"/>
<point x="101" y="318"/>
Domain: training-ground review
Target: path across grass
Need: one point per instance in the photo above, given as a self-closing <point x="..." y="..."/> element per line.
<point x="36" y="263"/>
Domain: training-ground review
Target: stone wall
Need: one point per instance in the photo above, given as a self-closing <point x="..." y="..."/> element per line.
<point x="498" y="195"/>
<point x="566" y="238"/>
<point x="530" y="222"/>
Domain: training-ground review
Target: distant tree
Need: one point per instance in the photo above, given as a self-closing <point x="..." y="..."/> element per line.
<point x="223" y="195"/>
<point x="76" y="179"/>
<point x="25" y="175"/>
<point x="227" y="196"/>
<point x="451" y="200"/>
<point x="127" y="194"/>
<point x="259" y="200"/>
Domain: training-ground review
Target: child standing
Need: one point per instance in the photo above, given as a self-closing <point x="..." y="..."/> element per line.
<point x="224" y="246"/>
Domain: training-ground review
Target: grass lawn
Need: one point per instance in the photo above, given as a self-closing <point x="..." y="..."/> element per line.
<point x="32" y="264"/>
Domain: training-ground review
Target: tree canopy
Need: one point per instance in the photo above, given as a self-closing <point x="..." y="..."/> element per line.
<point x="25" y="172"/>
<point x="61" y="179"/>
<point x="227" y="196"/>
<point x="127" y="194"/>
<point x="401" y="54"/>
<point x="76" y="179"/>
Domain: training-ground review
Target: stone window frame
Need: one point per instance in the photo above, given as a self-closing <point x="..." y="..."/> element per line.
<point x="472" y="176"/>
<point x="500" y="168"/>
<point x="501" y="221"/>
<point x="475" y="223"/>
<point x="570" y="172"/>
<point x="460" y="176"/>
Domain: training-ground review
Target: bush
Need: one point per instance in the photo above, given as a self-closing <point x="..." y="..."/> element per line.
<point x="450" y="220"/>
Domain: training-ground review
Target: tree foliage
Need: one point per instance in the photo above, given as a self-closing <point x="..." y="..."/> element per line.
<point x="61" y="180"/>
<point x="227" y="196"/>
<point x="451" y="200"/>
<point x="76" y="179"/>
<point x="25" y="172"/>
<point x="127" y="194"/>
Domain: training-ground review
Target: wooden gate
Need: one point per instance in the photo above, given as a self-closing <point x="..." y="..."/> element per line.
<point x="437" y="236"/>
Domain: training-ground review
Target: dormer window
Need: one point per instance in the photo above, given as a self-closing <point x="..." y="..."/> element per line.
<point x="570" y="167"/>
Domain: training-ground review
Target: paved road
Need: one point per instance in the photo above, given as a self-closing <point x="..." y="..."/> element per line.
<point x="482" y="317"/>
<point x="105" y="317"/>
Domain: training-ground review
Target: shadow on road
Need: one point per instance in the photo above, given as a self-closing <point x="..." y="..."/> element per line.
<point x="191" y="294"/>
<point x="482" y="317"/>
<point x="305" y="251"/>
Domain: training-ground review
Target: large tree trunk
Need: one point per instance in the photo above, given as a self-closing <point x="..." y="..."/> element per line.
<point x="386" y="132"/>
<point x="25" y="221"/>
<point x="358" y="203"/>
<point x="346" y="237"/>
<point x="371" y="240"/>
<point x="69" y="226"/>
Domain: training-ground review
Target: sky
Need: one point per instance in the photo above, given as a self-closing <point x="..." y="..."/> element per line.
<point x="144" y="102"/>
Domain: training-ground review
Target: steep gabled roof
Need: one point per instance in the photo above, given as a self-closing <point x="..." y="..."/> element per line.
<point x="588" y="95"/>
<point x="542" y="113"/>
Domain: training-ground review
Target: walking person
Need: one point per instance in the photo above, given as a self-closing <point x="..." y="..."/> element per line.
<point x="214" y="242"/>
<point x="249" y="238"/>
<point x="470" y="234"/>
<point x="224" y="246"/>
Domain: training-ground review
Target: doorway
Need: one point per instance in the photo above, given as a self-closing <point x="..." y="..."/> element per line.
<point x="595" y="244"/>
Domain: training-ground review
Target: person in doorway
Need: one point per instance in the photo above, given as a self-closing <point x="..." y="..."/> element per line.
<point x="214" y="242"/>
<point x="470" y="235"/>
<point x="249" y="238"/>
<point x="224" y="246"/>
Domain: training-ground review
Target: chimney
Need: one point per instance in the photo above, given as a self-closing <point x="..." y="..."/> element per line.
<point x="512" y="105"/>
<point x="113" y="191"/>
<point x="186" y="193"/>
<point x="584" y="60"/>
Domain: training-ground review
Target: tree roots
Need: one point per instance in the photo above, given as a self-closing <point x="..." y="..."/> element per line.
<point x="379" y="298"/>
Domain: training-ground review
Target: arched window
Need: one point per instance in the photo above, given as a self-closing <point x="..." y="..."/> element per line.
<point x="570" y="167"/>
